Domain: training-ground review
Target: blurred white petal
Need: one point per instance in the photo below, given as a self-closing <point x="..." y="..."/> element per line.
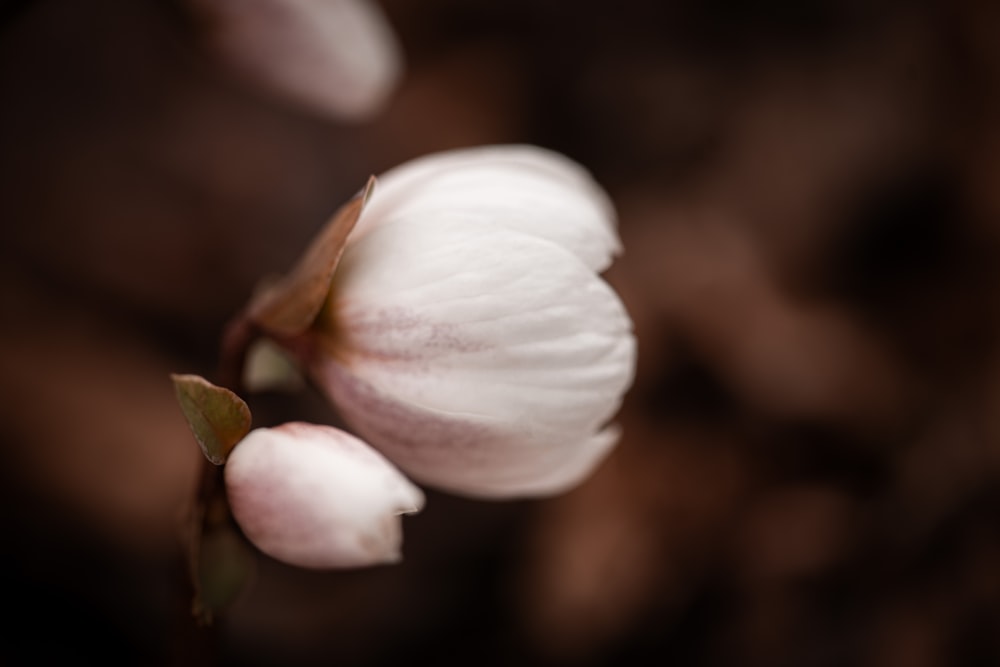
<point x="269" y="368"/>
<point x="479" y="359"/>
<point x="339" y="57"/>
<point x="315" y="496"/>
<point x="524" y="188"/>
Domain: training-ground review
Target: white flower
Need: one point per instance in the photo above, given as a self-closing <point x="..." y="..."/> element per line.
<point x="315" y="496"/>
<point x="336" y="56"/>
<point x="467" y="335"/>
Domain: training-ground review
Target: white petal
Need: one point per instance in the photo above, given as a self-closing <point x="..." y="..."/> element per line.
<point x="315" y="496"/>
<point x="269" y="368"/>
<point x="507" y="349"/>
<point x="470" y="455"/>
<point x="524" y="188"/>
<point x="337" y="56"/>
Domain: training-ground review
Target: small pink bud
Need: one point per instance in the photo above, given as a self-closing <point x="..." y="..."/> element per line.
<point x="315" y="496"/>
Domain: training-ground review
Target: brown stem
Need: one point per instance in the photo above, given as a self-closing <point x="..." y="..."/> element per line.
<point x="237" y="337"/>
<point x="196" y="639"/>
<point x="211" y="512"/>
<point x="194" y="643"/>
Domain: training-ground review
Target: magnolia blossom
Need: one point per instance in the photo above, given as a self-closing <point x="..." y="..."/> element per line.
<point x="315" y="496"/>
<point x="467" y="334"/>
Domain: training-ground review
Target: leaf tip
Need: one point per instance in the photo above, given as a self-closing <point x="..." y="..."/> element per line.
<point x="366" y="192"/>
<point x="218" y="417"/>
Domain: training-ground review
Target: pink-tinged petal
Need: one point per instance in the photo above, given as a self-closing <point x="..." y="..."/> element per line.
<point x="524" y="188"/>
<point x="471" y="455"/>
<point x="315" y="496"/>
<point x="508" y="350"/>
<point x="339" y="57"/>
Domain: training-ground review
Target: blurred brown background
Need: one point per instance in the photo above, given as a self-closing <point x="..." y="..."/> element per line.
<point x="809" y="195"/>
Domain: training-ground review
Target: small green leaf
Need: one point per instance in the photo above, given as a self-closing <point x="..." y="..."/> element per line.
<point x="225" y="568"/>
<point x="290" y="306"/>
<point x="218" y="417"/>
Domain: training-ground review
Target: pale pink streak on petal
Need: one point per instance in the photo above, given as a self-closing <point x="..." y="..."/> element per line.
<point x="480" y="359"/>
<point x="481" y="320"/>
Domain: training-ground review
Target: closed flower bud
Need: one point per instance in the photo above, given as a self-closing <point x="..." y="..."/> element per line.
<point x="315" y="496"/>
<point x="467" y="334"/>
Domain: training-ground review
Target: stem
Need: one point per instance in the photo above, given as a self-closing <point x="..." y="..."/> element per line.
<point x="194" y="644"/>
<point x="196" y="640"/>
<point x="211" y="512"/>
<point x="237" y="337"/>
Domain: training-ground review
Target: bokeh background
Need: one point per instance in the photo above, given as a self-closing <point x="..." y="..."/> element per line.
<point x="809" y="197"/>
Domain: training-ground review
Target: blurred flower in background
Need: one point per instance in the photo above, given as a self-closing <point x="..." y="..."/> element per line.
<point x="337" y="57"/>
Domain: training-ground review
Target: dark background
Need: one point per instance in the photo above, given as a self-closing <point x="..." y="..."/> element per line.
<point x="809" y="196"/>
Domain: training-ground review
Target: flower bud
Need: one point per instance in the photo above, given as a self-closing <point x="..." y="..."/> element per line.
<point x="467" y="335"/>
<point x="315" y="496"/>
